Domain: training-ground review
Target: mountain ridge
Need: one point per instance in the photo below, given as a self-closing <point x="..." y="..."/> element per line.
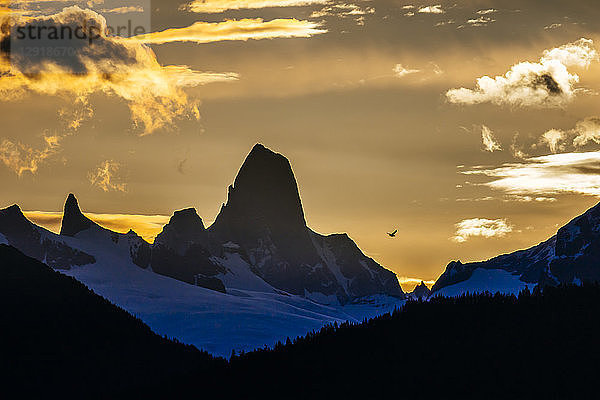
<point x="259" y="239"/>
<point x="569" y="256"/>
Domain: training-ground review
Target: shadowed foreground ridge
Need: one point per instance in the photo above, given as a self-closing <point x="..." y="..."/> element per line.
<point x="58" y="337"/>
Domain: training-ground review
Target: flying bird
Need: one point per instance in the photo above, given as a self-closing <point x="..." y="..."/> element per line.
<point x="393" y="234"/>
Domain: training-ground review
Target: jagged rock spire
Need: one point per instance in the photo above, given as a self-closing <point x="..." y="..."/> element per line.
<point x="73" y="220"/>
<point x="265" y="190"/>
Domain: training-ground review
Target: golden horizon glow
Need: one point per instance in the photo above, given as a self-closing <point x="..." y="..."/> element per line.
<point x="147" y="226"/>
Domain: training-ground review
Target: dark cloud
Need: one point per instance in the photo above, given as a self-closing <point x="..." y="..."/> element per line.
<point x="547" y="82"/>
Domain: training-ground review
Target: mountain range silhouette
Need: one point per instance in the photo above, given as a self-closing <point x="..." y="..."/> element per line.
<point x="261" y="229"/>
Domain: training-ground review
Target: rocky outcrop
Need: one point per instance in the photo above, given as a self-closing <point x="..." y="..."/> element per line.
<point x="73" y="220"/>
<point x="264" y="216"/>
<point x="420" y="292"/>
<point x="181" y="251"/>
<point x="75" y="224"/>
<point x="39" y="243"/>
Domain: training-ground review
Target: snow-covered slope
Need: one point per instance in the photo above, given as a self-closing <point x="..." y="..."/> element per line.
<point x="486" y="280"/>
<point x="129" y="245"/>
<point x="39" y="243"/>
<point x="216" y="322"/>
<point x="257" y="275"/>
<point x="251" y="314"/>
<point x="572" y="255"/>
<point x="237" y="273"/>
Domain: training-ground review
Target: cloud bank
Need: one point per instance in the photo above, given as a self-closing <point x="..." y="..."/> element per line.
<point x="547" y="83"/>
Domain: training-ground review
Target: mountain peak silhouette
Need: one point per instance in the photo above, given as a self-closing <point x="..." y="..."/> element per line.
<point x="265" y="191"/>
<point x="264" y="217"/>
<point x="13" y="217"/>
<point x="184" y="226"/>
<point x="187" y="217"/>
<point x="13" y="210"/>
<point x="73" y="220"/>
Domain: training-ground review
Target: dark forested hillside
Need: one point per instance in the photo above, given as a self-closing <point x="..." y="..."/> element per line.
<point x="541" y="345"/>
<point x="59" y="338"/>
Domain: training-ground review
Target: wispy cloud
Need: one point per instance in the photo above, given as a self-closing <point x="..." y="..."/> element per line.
<point x="487" y="11"/>
<point x="344" y="10"/>
<point x="147" y="226"/>
<point x="553" y="26"/>
<point x="243" y="29"/>
<point x="489" y="142"/>
<point x="566" y="173"/>
<point x="21" y="158"/>
<point x="107" y="177"/>
<point x="444" y="23"/>
<point x="552" y="138"/>
<point x="123" y="10"/>
<point x="401" y="71"/>
<point x="481" y="227"/>
<point x="436" y="9"/>
<point x="217" y="6"/>
<point x="547" y="83"/>
<point x="480" y="21"/>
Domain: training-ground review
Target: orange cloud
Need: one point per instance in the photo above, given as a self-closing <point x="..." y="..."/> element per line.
<point x="217" y="6"/>
<point x="243" y="29"/>
<point x="110" y="65"/>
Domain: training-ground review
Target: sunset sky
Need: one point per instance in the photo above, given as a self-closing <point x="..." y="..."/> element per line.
<point x="472" y="127"/>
